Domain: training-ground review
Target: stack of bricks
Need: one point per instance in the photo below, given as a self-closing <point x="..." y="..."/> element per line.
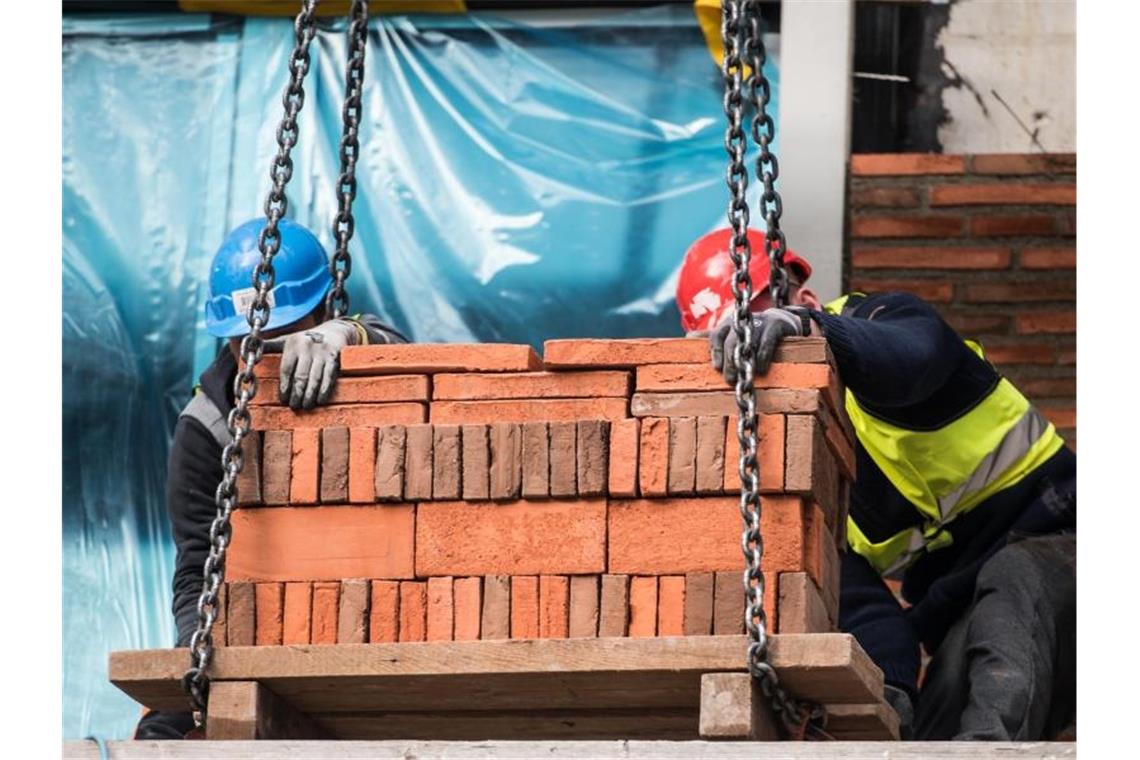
<point x="456" y="492"/>
<point x="990" y="241"/>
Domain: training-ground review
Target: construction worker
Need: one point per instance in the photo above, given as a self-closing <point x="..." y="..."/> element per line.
<point x="310" y="347"/>
<point x="962" y="489"/>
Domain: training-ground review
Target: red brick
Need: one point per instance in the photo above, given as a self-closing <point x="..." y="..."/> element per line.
<point x="219" y="631"/>
<point x="592" y="455"/>
<point x="476" y="462"/>
<point x="783" y="526"/>
<point x="496" y="621"/>
<point x="524" y="607"/>
<point x="771" y="429"/>
<point x="624" y="444"/>
<point x="1067" y="223"/>
<point x="1042" y="387"/>
<point x="249" y="479"/>
<point x="360" y="390"/>
<point x="1049" y="258"/>
<point x="888" y="164"/>
<point x="384" y="612"/>
<point x="270" y="613"/>
<point x="530" y="385"/>
<point x="535" y="460"/>
<point x="390" y="447"/>
<point x="334" y="465"/>
<point x="554" y="606"/>
<point x="326" y="601"/>
<point x="304" y="484"/>
<point x="298" y="613"/>
<point x="583" y="606"/>
<point x="1021" y="225"/>
<point x="1024" y="163"/>
<point x="1036" y="194"/>
<point x="728" y="603"/>
<point x="663" y="536"/>
<point x="971" y="322"/>
<point x="1032" y="322"/>
<point x="732" y="454"/>
<point x="671" y="605"/>
<point x="345" y="415"/>
<point x="362" y="465"/>
<point x="277" y="543"/>
<point x="440" y="609"/>
<point x="811" y="466"/>
<point x="635" y="352"/>
<point x="506" y="461"/>
<point x="1067" y="355"/>
<point x="1019" y="292"/>
<point x="241" y="614"/>
<point x="682" y="455"/>
<point x="936" y="291"/>
<point x="277" y="469"/>
<point x="698" y="604"/>
<point x="654" y="456"/>
<point x="614" y="618"/>
<point x="468" y="608"/>
<point x="516" y="538"/>
<point x="817" y="541"/>
<point x="1020" y="353"/>
<point x="674" y="378"/>
<point x="906" y="226"/>
<point x="1063" y="417"/>
<point x="910" y="257"/>
<point x="710" y="454"/>
<point x="528" y="410"/>
<point x="413" y="611"/>
<point x="884" y="197"/>
<point x="418" y="462"/>
<point x="563" y="461"/>
<point x="352" y="618"/>
<point x="437" y="357"/>
<point x="445" y="462"/>
<point x="642" y="606"/>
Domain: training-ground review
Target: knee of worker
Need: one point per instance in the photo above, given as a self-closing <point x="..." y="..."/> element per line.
<point x="1032" y="566"/>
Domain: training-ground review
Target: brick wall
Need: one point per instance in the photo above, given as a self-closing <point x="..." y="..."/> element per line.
<point x="991" y="241"/>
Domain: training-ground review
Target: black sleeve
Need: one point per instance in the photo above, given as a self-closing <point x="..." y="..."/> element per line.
<point x="869" y="611"/>
<point x="893" y="350"/>
<point x="378" y="332"/>
<point x="195" y="469"/>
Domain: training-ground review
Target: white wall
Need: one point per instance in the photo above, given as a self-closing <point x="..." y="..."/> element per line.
<point x="1025" y="51"/>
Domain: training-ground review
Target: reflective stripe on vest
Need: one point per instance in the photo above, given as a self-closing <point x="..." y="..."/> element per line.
<point x="947" y="472"/>
<point x="204" y="410"/>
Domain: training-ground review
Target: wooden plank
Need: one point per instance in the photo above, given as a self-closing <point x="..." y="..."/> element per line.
<point x="512" y="674"/>
<point x="568" y="750"/>
<point x="247" y="710"/>
<point x="734" y="707"/>
<point x="870" y="722"/>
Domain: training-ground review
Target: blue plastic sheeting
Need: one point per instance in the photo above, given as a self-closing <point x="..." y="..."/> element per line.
<point x="517" y="183"/>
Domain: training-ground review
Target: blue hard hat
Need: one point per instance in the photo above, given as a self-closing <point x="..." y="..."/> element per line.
<point x="302" y="278"/>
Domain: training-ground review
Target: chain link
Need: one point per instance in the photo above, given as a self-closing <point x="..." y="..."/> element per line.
<point x="740" y="25"/>
<point x="341" y="265"/>
<point x="196" y="680"/>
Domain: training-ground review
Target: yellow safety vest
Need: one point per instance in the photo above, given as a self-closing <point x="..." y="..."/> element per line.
<point x="945" y="473"/>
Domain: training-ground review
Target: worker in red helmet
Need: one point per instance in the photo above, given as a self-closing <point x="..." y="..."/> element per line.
<point x="962" y="490"/>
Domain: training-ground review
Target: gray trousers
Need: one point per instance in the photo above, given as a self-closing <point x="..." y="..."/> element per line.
<point x="1006" y="671"/>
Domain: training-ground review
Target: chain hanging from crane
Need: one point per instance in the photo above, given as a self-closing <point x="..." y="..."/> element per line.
<point x="196" y="681"/>
<point x="741" y="31"/>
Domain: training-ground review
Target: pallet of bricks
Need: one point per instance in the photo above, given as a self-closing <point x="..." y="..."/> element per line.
<point x="465" y="492"/>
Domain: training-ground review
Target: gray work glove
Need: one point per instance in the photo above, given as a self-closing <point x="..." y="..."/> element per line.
<point x="310" y="361"/>
<point x="769" y="327"/>
<point x="900" y="701"/>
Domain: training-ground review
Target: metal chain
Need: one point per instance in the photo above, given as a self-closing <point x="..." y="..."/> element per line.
<point x="740" y="26"/>
<point x="196" y="680"/>
<point x="767" y="168"/>
<point x="336" y="303"/>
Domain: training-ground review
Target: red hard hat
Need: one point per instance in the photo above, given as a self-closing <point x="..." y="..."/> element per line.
<point x="704" y="290"/>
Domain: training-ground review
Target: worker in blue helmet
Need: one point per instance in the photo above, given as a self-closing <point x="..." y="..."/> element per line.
<point x="310" y="346"/>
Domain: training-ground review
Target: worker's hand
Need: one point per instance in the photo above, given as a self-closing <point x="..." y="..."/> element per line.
<point x="769" y="327"/>
<point x="311" y="360"/>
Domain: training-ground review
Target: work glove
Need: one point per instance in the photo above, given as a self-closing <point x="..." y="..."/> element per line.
<point x="310" y="361"/>
<point x="769" y="327"/>
<point x="164" y="725"/>
<point x="900" y="701"/>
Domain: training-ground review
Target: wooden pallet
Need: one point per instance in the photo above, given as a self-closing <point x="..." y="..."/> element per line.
<point x="653" y="688"/>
